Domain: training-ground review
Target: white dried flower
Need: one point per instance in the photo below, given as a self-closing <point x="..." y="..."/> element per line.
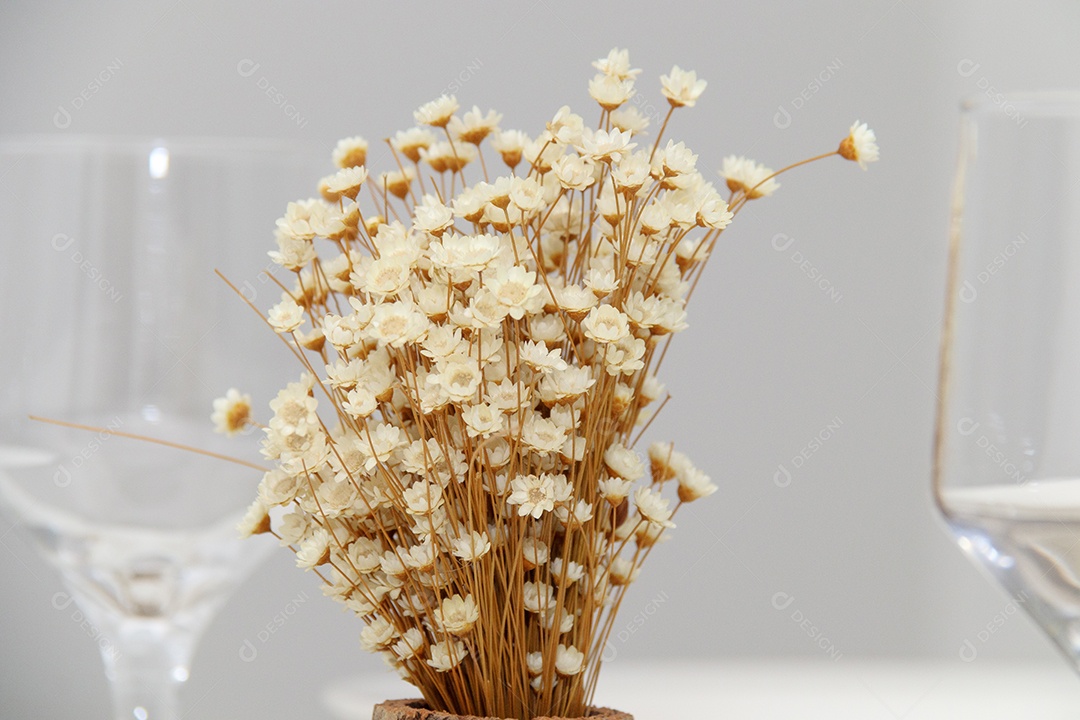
<point x="286" y="316"/>
<point x="457" y="615"/>
<point x="682" y="87"/>
<point x="653" y="507"/>
<point x="438" y="112"/>
<point x="232" y="413"/>
<point x="350" y="152"/>
<point x="860" y="145"/>
<point x="447" y="655"/>
<point x="746" y="176"/>
<point x="532" y="494"/>
<point x="568" y="660"/>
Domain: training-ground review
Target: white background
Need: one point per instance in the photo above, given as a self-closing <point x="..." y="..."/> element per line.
<point x="771" y="358"/>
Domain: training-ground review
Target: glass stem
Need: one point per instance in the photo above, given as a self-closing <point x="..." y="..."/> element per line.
<point x="146" y="663"/>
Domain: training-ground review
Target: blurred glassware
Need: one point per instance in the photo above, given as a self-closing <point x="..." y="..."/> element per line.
<point x="1007" y="465"/>
<point x="112" y="317"/>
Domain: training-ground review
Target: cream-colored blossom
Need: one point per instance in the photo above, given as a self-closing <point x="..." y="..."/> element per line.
<point x="682" y="87"/>
<point x="860" y="145"/>
<point x="532" y="494"/>
<point x="350" y="152"/>
<point x="471" y="546"/>
<point x="748" y="177"/>
<point x="457" y="615"/>
<point x="569" y="660"/>
<point x="232" y="413"/>
<point x="447" y="655"/>
<point x="438" y="112"/>
<point x="653" y="507"/>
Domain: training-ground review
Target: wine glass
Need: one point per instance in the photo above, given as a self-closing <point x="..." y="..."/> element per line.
<point x="1007" y="459"/>
<point x="114" y="319"/>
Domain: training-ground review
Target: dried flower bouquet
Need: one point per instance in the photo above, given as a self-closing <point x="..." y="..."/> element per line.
<point x="479" y="350"/>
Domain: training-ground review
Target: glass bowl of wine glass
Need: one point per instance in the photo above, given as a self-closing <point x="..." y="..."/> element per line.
<point x="116" y="324"/>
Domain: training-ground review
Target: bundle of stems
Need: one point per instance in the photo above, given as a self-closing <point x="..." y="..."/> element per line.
<point x="479" y="359"/>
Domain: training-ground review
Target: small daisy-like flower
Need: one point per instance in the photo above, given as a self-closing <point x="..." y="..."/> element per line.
<point x="574" y="172"/>
<point x="746" y="176"/>
<point x="293" y="253"/>
<point x="457" y="615"/>
<point x="397" y="324"/>
<point x="459" y="378"/>
<point x="655" y="218"/>
<point x="681" y="87"/>
<point x="622" y="572"/>
<point x="653" y="507"/>
<point x="482" y="420"/>
<point x="630" y="173"/>
<point x="569" y="660"/>
<point x="535" y="663"/>
<point x="256" y="520"/>
<point x="537" y="356"/>
<point x="423" y="498"/>
<point x="410" y="644"/>
<point x="447" y="655"/>
<point x="377" y="635"/>
<point x="542" y="435"/>
<point x="565" y="128"/>
<point x="615" y="490"/>
<point x="624" y="462"/>
<point x="617" y="65"/>
<point x="601" y="282"/>
<point x="438" y="112"/>
<point x="605" y="145"/>
<point x="385" y="277"/>
<point x="575" y="301"/>
<point x="532" y="494"/>
<point x="314" y="550"/>
<point x="566" y="571"/>
<point x="345" y="182"/>
<point x="397" y="182"/>
<point x="432" y="217"/>
<point x="606" y="324"/>
<point x="860" y="145"/>
<point x="449" y="157"/>
<point x="471" y="546"/>
<point x="350" y="152"/>
<point x="410" y="142"/>
<point x="231" y="413"/>
<point x="538" y="597"/>
<point x="713" y="213"/>
<point x="580" y="513"/>
<point x="610" y="92"/>
<point x="534" y="552"/>
<point x="286" y="316"/>
<point x="475" y="125"/>
<point x="631" y="119"/>
<point x="694" y="485"/>
<point x="516" y="290"/>
<point x="566" y="385"/>
<point x="510" y="144"/>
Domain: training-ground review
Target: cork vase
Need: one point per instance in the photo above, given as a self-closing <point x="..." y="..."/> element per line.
<point x="417" y="710"/>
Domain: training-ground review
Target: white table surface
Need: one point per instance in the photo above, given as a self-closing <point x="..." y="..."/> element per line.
<point x="753" y="689"/>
